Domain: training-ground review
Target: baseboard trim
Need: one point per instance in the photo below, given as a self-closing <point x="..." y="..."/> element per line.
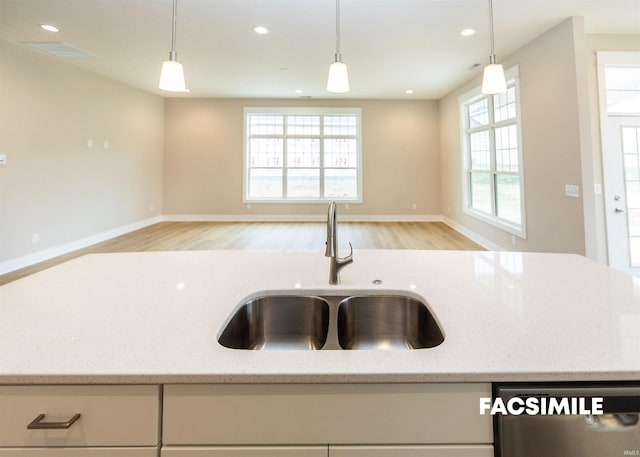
<point x="47" y="254"/>
<point x="473" y="236"/>
<point x="300" y="217"/>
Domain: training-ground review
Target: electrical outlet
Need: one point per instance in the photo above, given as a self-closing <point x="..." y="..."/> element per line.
<point x="572" y="190"/>
<point x="105" y="144"/>
<point x="597" y="188"/>
<point x="89" y="143"/>
<point x="3" y="159"/>
<point x="414" y="206"/>
<point x="152" y="208"/>
<point x="35" y="238"/>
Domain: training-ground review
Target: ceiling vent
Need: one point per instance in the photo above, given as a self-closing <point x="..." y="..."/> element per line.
<point x="59" y="49"/>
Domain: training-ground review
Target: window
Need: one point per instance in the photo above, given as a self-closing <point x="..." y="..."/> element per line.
<point x="622" y="90"/>
<point x="493" y="177"/>
<point x="298" y="154"/>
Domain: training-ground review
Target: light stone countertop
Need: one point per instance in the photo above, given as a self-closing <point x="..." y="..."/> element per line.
<point x="155" y="317"/>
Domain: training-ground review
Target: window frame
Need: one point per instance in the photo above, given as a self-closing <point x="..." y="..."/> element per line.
<point x="295" y="111"/>
<point x="466" y="99"/>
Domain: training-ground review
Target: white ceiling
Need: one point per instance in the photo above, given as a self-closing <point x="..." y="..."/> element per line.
<point x="388" y="45"/>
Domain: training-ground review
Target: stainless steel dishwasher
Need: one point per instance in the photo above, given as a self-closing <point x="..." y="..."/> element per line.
<point x="615" y="433"/>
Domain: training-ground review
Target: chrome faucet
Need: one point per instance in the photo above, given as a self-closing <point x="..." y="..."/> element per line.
<point x="337" y="263"/>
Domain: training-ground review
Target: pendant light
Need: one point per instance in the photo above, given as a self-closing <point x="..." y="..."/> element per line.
<point x="493" y="81"/>
<point x="172" y="74"/>
<point x="338" y="81"/>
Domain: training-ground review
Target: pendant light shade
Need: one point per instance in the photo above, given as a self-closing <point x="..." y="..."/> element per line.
<point x="493" y="81"/>
<point x="338" y="81"/>
<point x="172" y="77"/>
<point x="172" y="73"/>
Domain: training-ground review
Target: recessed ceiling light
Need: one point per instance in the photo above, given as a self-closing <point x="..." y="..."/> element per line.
<point x="468" y="32"/>
<point x="261" y="30"/>
<point x="408" y="91"/>
<point x="298" y="91"/>
<point x="49" y="28"/>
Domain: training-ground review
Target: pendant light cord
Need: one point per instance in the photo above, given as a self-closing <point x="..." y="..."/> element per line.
<point x="492" y="58"/>
<point x="173" y="30"/>
<point x="337" y="30"/>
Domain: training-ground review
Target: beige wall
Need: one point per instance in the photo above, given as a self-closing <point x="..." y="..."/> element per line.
<point x="204" y="159"/>
<point x="53" y="184"/>
<point x="552" y="146"/>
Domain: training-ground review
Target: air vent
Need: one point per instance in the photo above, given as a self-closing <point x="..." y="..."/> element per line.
<point x="59" y="49"/>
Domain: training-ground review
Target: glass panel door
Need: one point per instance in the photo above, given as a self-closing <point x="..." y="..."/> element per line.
<point x="631" y="154"/>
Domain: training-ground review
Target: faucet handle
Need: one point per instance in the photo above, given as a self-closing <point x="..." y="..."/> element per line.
<point x="348" y="259"/>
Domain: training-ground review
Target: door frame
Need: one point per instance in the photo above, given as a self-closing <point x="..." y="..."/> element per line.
<point x="611" y="169"/>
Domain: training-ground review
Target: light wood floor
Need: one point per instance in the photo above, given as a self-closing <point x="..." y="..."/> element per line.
<point x="172" y="236"/>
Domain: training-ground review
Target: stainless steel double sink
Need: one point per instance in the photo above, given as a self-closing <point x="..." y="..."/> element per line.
<point x="309" y="322"/>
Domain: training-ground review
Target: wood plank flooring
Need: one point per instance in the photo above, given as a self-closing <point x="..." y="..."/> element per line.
<point x="290" y="236"/>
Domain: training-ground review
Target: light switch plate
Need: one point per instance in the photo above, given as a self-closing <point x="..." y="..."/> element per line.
<point x="572" y="190"/>
<point x="3" y="159"/>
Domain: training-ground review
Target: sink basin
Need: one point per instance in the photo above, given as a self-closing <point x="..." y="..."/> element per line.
<point x="386" y="322"/>
<point x="308" y="322"/>
<point x="278" y="322"/>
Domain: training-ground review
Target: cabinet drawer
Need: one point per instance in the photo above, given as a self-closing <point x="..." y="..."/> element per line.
<point x="325" y="413"/>
<point x="485" y="450"/>
<point x="109" y="415"/>
<point x="79" y="452"/>
<point x="246" y="451"/>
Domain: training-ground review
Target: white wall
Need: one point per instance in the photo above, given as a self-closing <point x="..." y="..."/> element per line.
<point x="52" y="183"/>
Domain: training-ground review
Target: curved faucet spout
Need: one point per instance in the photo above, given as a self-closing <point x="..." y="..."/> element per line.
<point x="337" y="263"/>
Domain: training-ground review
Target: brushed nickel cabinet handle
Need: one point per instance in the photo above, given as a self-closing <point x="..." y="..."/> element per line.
<point x="38" y="424"/>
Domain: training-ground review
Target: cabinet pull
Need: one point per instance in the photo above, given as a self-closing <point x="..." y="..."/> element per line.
<point x="38" y="424"/>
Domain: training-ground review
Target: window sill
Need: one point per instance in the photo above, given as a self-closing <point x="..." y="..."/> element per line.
<point x="301" y="200"/>
<point x="502" y="224"/>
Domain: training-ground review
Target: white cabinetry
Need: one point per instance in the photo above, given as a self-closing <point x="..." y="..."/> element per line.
<point x="451" y="450"/>
<point x="113" y="421"/>
<point x="245" y="451"/>
<point x="331" y="451"/>
<point x="402" y="420"/>
<point x="79" y="452"/>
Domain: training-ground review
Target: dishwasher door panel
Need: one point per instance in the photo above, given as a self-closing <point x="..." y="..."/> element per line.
<point x="568" y="436"/>
<point x="616" y="433"/>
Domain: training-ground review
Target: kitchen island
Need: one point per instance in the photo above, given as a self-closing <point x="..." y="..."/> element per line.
<point x="155" y="318"/>
<point x="128" y="343"/>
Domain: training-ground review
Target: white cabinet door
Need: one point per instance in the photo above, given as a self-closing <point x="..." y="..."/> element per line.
<point x="412" y="451"/>
<point x="79" y="452"/>
<point x="308" y="414"/>
<point x="245" y="451"/>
